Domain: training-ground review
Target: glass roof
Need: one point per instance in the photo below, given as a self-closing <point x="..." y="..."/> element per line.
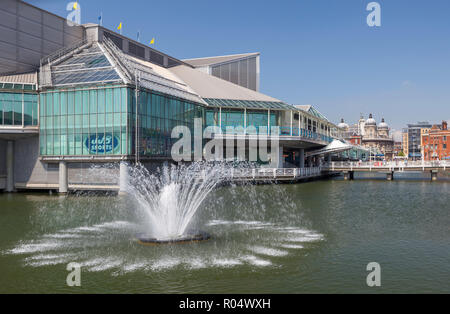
<point x="88" y="66"/>
<point x="316" y="113"/>
<point x="249" y="104"/>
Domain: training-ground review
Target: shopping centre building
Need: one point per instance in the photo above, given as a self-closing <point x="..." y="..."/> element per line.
<point x="76" y="97"/>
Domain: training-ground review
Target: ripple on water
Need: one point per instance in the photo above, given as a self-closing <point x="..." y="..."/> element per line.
<point x="90" y="247"/>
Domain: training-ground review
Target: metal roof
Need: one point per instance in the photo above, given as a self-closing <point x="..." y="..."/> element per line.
<point x="207" y="61"/>
<point x="208" y="86"/>
<point x="248" y="104"/>
<point x="25" y="78"/>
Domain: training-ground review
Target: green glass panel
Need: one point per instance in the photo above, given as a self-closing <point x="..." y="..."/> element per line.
<point x="70" y="103"/>
<point x="85" y="102"/>
<point x="78" y="102"/>
<point x="93" y="101"/>
<point x="101" y="100"/>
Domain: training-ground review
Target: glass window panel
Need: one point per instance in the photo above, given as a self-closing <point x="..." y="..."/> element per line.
<point x="78" y="102"/>
<point x="109" y="100"/>
<point x="70" y="102"/>
<point x="93" y="101"/>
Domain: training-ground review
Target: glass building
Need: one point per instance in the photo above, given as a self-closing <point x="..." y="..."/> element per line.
<point x="18" y="105"/>
<point x="88" y="106"/>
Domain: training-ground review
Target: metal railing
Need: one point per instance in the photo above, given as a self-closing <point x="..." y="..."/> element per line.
<point x="444" y="164"/>
<point x="238" y="174"/>
<point x="283" y="131"/>
<point x="61" y="52"/>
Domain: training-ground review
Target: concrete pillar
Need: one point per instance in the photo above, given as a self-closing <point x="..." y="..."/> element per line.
<point x="329" y="158"/>
<point x="10" y="166"/>
<point x="280" y="157"/>
<point x="123" y="177"/>
<point x="348" y="175"/>
<point x="434" y="175"/>
<point x="302" y="157"/>
<point x="390" y="176"/>
<point x="63" y="180"/>
<point x="310" y="164"/>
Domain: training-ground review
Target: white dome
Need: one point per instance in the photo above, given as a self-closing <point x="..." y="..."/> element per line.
<point x="383" y="125"/>
<point x="371" y="121"/>
<point x="343" y="125"/>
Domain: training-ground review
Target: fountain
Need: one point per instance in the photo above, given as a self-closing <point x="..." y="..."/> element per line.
<point x="168" y="200"/>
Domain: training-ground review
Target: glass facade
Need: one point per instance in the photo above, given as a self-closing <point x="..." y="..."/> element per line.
<point x="101" y="121"/>
<point x="90" y="121"/>
<point x="236" y="118"/>
<point x="18" y="109"/>
<point x="158" y="115"/>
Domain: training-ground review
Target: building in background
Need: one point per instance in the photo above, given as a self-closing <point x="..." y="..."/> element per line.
<point x="414" y="139"/>
<point x="436" y="142"/>
<point x="368" y="134"/>
<point x="240" y="69"/>
<point x="405" y="143"/>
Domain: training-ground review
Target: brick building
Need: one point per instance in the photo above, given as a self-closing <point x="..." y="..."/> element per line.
<point x="436" y="142"/>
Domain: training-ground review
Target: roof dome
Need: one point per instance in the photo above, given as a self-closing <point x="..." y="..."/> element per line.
<point x="371" y="120"/>
<point x="383" y="125"/>
<point x="343" y="125"/>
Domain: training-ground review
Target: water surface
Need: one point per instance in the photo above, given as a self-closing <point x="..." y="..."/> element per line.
<point x="314" y="237"/>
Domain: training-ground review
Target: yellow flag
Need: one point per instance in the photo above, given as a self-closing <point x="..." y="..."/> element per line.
<point x="120" y="26"/>
<point x="152" y="41"/>
<point x="75" y="5"/>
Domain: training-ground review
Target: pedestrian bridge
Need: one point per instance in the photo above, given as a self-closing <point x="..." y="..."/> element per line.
<point x="388" y="167"/>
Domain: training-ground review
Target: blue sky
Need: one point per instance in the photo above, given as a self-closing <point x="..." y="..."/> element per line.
<point x="317" y="52"/>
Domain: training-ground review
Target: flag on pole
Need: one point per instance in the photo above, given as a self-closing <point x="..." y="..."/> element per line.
<point x="138" y="35"/>
<point x="100" y="19"/>
<point x="152" y="41"/>
<point x="75" y="5"/>
<point x="120" y="27"/>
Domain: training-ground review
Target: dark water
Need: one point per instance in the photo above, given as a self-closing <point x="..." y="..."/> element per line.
<point x="315" y="237"/>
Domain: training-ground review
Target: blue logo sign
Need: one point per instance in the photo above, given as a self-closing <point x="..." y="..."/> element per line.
<point x="101" y="143"/>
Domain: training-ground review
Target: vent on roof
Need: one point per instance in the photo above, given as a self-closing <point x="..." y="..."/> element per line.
<point x="157" y="58"/>
<point x="172" y="62"/>
<point x="136" y="50"/>
<point x="116" y="40"/>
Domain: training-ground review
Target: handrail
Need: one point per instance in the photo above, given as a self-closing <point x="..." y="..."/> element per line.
<point x="388" y="164"/>
<point x="61" y="52"/>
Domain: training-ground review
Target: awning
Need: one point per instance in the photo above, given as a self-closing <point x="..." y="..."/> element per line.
<point x="336" y="146"/>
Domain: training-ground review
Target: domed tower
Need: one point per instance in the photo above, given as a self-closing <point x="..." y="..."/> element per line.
<point x="370" y="128"/>
<point x="361" y="124"/>
<point x="344" y="126"/>
<point x="383" y="129"/>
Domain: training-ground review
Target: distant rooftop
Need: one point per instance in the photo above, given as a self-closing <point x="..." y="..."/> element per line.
<point x="203" y="62"/>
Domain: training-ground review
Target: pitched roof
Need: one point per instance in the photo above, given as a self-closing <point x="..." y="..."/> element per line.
<point x="208" y="86"/>
<point x="202" y="62"/>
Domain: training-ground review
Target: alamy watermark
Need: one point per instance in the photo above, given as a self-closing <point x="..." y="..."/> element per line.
<point x="374" y="277"/>
<point x="374" y="17"/>
<point x="73" y="279"/>
<point x="244" y="144"/>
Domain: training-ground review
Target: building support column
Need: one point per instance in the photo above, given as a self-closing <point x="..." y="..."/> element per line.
<point x="390" y="176"/>
<point x="329" y="158"/>
<point x="280" y="157"/>
<point x="10" y="166"/>
<point x="63" y="181"/>
<point x="123" y="177"/>
<point x="302" y="157"/>
<point x="348" y="175"/>
<point x="310" y="162"/>
<point x="434" y="175"/>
